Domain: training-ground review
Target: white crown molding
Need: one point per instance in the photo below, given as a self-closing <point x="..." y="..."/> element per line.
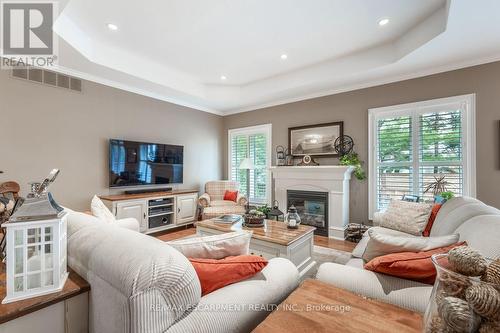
<point x="373" y="83"/>
<point x="129" y="88"/>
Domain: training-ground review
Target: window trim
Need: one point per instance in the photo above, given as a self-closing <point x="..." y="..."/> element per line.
<point x="468" y="105"/>
<point x="264" y="128"/>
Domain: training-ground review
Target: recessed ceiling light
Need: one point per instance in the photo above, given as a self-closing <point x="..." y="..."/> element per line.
<point x="383" y="22"/>
<point x="284" y="56"/>
<point x="112" y="26"/>
<point x="223" y="78"/>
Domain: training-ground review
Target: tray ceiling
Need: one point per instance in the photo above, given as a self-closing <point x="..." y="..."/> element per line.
<point x="227" y="56"/>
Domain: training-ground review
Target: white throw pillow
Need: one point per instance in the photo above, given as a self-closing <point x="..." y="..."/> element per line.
<point x="100" y="210"/>
<point x="409" y="217"/>
<point x="381" y="243"/>
<point x="360" y="248"/>
<point x="214" y="247"/>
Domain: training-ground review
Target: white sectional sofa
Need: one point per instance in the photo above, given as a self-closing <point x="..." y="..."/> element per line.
<point x="141" y="284"/>
<point x="477" y="223"/>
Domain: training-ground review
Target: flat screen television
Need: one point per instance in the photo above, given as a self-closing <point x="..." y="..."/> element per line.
<point x="134" y="163"/>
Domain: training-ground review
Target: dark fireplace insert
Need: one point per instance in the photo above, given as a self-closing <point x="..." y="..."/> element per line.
<point x="312" y="207"/>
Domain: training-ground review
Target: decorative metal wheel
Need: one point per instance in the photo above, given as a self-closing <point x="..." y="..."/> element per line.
<point x="343" y="145"/>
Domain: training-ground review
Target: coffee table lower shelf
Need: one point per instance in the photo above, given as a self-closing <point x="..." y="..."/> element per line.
<point x="319" y="307"/>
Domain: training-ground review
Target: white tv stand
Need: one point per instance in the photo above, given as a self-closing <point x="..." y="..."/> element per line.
<point x="155" y="211"/>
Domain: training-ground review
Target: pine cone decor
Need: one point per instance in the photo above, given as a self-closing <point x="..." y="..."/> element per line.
<point x="467" y="261"/>
<point x="492" y="274"/>
<point x="454" y="285"/>
<point x="490" y="327"/>
<point x="484" y="299"/>
<point x="458" y="316"/>
<point x="440" y="295"/>
<point x="436" y="325"/>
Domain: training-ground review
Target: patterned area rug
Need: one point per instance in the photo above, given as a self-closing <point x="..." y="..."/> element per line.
<point x="324" y="254"/>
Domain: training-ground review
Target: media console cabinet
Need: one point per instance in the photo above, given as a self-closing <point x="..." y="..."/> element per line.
<point x="155" y="211"/>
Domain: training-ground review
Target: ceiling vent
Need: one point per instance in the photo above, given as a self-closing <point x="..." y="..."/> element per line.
<point x="47" y="78"/>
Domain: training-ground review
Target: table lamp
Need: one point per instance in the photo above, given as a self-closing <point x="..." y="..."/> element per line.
<point x="247" y="164"/>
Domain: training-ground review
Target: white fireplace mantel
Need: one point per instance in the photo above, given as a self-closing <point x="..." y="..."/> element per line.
<point x="333" y="179"/>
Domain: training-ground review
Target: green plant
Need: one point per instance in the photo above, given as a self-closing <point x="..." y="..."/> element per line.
<point x="264" y="209"/>
<point x="447" y="195"/>
<point x="353" y="160"/>
<point x="438" y="186"/>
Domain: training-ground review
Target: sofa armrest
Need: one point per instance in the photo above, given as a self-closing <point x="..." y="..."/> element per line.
<point x="128" y="223"/>
<point x="204" y="200"/>
<point x="408" y="294"/>
<point x="241" y="199"/>
<point x="241" y="306"/>
<point x="151" y="276"/>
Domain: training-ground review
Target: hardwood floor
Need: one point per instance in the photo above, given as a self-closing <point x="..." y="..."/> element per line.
<point x="318" y="240"/>
<point x="176" y="233"/>
<point x="334" y="243"/>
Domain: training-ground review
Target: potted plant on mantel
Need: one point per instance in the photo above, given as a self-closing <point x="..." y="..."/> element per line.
<point x="352" y="159"/>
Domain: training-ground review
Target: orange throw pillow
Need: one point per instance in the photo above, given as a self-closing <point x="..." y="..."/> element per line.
<point x="218" y="273"/>
<point x="231" y="195"/>
<point x="430" y="222"/>
<point x="415" y="266"/>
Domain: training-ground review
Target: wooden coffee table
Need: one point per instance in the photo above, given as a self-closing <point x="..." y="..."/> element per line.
<point x="272" y="240"/>
<point x="319" y="307"/>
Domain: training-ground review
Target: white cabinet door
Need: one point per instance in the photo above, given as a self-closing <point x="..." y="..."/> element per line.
<point x="186" y="208"/>
<point x="136" y="209"/>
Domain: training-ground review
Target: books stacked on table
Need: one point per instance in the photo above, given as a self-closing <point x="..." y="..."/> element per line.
<point x="227" y="218"/>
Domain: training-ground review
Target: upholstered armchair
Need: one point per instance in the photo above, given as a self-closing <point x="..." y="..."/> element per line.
<point x="213" y="202"/>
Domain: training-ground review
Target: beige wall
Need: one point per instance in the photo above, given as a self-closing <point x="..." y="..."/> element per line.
<point x="352" y="108"/>
<point x="43" y="128"/>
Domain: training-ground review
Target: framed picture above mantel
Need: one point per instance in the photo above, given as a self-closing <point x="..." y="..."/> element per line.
<point x="314" y="140"/>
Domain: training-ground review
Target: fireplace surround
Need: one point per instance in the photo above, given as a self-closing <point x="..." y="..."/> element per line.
<point x="330" y="179"/>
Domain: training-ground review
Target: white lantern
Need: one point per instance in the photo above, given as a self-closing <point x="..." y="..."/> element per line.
<point x="36" y="246"/>
<point x="36" y="258"/>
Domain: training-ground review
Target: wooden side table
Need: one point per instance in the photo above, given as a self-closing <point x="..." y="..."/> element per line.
<point x="320" y="307"/>
<point x="65" y="311"/>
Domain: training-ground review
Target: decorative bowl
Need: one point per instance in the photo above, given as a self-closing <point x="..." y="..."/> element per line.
<point x="253" y="220"/>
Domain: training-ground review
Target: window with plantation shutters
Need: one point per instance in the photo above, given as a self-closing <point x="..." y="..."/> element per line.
<point x="413" y="146"/>
<point x="254" y="143"/>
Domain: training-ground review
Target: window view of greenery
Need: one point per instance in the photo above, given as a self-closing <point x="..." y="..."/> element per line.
<point x="394" y="138"/>
<point x="255" y="147"/>
<point x="239" y="152"/>
<point x="439" y="150"/>
<point x="395" y="153"/>
<point x="258" y="178"/>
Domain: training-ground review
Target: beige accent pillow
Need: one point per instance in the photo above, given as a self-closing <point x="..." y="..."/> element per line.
<point x="380" y="243"/>
<point x="409" y="217"/>
<point x="100" y="210"/>
<point x="214" y="247"/>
